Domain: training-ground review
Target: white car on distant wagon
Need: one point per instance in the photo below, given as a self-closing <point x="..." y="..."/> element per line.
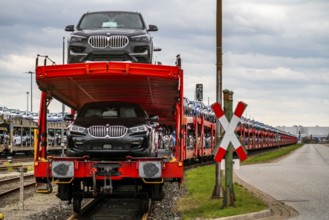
<point x="4" y="111"/>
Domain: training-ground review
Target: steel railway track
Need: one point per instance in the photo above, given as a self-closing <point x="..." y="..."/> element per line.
<point x="12" y="185"/>
<point x="114" y="209"/>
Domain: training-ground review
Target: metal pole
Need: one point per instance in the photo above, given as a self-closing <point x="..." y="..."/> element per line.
<point x="63" y="50"/>
<point x="27" y="102"/>
<point x="30" y="72"/>
<point x="63" y="107"/>
<point x="31" y="93"/>
<point x="217" y="189"/>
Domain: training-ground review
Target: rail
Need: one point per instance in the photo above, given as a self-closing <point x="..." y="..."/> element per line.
<point x="11" y="185"/>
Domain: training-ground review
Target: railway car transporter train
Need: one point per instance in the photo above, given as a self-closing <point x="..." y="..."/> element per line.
<point x="116" y="145"/>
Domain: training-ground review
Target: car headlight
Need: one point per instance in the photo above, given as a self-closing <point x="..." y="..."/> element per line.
<point x="76" y="129"/>
<point x="141" y="38"/>
<point x="76" y="38"/>
<point x="138" y="129"/>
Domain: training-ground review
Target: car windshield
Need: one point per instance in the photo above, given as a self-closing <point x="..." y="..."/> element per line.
<point x="111" y="111"/>
<point x="111" y="20"/>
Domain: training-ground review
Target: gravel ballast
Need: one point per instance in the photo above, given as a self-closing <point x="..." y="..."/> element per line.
<point x="39" y="206"/>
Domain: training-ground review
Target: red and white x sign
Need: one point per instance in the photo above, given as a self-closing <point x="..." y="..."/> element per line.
<point x="229" y="128"/>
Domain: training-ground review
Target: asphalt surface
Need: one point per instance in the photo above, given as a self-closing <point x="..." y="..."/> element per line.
<point x="300" y="180"/>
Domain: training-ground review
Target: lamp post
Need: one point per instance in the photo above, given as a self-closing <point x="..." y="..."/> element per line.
<point x="27" y="102"/>
<point x="30" y="72"/>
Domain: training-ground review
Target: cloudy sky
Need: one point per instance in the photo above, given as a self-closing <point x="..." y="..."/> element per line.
<point x="275" y="52"/>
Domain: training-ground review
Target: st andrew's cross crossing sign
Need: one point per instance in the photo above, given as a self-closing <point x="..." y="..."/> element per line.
<point x="229" y="128"/>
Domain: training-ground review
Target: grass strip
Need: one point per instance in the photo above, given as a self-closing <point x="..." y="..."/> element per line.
<point x="199" y="183"/>
<point x="271" y="155"/>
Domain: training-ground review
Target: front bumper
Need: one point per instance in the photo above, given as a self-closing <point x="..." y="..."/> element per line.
<point x="114" y="147"/>
<point x="138" y="53"/>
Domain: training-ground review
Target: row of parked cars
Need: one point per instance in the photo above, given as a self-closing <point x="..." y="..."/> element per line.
<point x="8" y="113"/>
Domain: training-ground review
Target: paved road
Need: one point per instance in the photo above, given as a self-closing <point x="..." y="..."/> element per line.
<point x="300" y="180"/>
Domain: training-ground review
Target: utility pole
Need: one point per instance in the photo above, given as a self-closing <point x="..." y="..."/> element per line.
<point x="63" y="106"/>
<point x="219" y="15"/>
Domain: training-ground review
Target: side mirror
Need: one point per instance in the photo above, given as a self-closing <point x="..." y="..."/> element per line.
<point x="68" y="118"/>
<point x="152" y="28"/>
<point x="157" y="49"/>
<point x="154" y="118"/>
<point x="69" y="28"/>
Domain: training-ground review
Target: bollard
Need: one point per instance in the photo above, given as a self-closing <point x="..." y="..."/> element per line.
<point x="9" y="159"/>
<point x="21" y="170"/>
<point x="63" y="149"/>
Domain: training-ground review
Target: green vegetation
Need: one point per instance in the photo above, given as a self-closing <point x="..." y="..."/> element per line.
<point x="272" y="155"/>
<point x="198" y="202"/>
<point x="199" y="184"/>
<point x="11" y="167"/>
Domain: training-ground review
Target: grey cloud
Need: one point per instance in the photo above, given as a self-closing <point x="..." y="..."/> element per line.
<point x="273" y="51"/>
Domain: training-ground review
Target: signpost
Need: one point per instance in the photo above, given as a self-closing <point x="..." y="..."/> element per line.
<point x="229" y="141"/>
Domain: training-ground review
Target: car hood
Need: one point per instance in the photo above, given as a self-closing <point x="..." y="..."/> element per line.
<point x="109" y="32"/>
<point x="128" y="122"/>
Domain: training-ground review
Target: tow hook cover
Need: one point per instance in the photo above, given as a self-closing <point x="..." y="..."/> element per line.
<point x="62" y="169"/>
<point x="150" y="169"/>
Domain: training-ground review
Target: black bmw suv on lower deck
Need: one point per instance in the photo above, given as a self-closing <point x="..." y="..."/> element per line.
<point x="111" y="130"/>
<point x="110" y="36"/>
